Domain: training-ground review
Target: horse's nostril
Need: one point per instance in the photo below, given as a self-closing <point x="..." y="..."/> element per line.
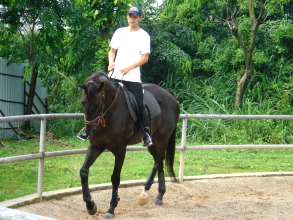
<point x="94" y="130"/>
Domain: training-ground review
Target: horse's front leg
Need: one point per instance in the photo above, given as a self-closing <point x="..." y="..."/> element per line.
<point x="91" y="156"/>
<point x="115" y="178"/>
<point x="150" y="180"/>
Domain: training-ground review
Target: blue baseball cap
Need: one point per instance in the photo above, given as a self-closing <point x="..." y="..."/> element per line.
<point x="135" y="10"/>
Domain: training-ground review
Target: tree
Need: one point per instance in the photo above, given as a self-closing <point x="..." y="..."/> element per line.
<point x="105" y="13"/>
<point x="243" y="19"/>
<point x="36" y="29"/>
<point x="189" y="3"/>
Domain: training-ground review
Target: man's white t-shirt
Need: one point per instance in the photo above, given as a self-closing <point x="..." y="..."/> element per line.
<point x="130" y="48"/>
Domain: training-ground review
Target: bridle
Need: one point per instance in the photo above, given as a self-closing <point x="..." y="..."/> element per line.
<point x="100" y="118"/>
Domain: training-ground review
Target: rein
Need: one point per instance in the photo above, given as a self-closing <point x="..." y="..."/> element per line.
<point x="100" y="119"/>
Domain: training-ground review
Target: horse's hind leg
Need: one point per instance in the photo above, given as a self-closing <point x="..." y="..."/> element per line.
<point x="159" y="158"/>
<point x="161" y="188"/>
<point x="150" y="180"/>
<point x="143" y="199"/>
<point x="91" y="156"/>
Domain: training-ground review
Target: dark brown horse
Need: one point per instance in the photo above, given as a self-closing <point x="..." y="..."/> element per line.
<point x="110" y="126"/>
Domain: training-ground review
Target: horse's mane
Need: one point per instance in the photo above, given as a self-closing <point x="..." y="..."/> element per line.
<point x="93" y="81"/>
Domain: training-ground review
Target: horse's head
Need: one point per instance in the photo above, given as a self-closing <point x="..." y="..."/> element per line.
<point x="93" y="100"/>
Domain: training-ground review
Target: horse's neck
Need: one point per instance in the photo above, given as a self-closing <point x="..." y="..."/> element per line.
<point x="113" y="95"/>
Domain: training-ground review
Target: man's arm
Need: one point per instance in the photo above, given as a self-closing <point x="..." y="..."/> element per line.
<point x="111" y="57"/>
<point x="144" y="59"/>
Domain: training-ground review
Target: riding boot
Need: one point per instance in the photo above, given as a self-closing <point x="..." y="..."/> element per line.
<point x="146" y="137"/>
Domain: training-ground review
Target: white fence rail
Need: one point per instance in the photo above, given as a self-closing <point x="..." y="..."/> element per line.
<point x="42" y="154"/>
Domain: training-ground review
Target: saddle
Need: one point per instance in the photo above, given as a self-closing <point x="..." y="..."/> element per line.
<point x="149" y="100"/>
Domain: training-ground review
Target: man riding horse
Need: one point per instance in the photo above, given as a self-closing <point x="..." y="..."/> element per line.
<point x="132" y="46"/>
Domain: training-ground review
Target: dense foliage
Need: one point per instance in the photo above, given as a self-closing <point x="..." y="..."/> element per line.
<point x="194" y="53"/>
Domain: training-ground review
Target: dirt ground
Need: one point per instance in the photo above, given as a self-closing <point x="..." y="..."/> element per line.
<point x="218" y="199"/>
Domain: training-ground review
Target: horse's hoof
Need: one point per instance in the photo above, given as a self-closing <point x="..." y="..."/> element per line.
<point x="143" y="198"/>
<point x="158" y="202"/>
<point x="93" y="211"/>
<point x="109" y="215"/>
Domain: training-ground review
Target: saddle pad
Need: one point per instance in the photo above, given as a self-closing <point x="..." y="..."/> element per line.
<point x="130" y="101"/>
<point x="149" y="100"/>
<point x="152" y="104"/>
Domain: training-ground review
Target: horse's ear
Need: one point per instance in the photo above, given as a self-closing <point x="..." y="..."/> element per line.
<point x="82" y="86"/>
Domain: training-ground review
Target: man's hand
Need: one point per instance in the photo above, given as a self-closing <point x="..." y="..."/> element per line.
<point x="126" y="70"/>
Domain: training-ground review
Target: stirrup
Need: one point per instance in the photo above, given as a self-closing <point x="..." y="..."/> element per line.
<point x="147" y="140"/>
<point x="82" y="137"/>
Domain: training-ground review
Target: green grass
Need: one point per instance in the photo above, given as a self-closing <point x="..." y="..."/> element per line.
<point x="20" y="178"/>
<point x="238" y="161"/>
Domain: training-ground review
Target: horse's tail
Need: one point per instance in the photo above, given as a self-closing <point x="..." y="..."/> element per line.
<point x="170" y="154"/>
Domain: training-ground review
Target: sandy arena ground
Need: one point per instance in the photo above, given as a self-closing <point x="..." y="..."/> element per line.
<point x="218" y="199"/>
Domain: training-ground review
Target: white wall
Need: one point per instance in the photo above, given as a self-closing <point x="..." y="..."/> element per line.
<point x="12" y="94"/>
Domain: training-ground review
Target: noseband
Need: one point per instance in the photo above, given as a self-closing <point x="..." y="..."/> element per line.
<point x="100" y="119"/>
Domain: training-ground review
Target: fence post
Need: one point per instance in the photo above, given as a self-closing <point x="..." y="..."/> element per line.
<point x="41" y="160"/>
<point x="182" y="155"/>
